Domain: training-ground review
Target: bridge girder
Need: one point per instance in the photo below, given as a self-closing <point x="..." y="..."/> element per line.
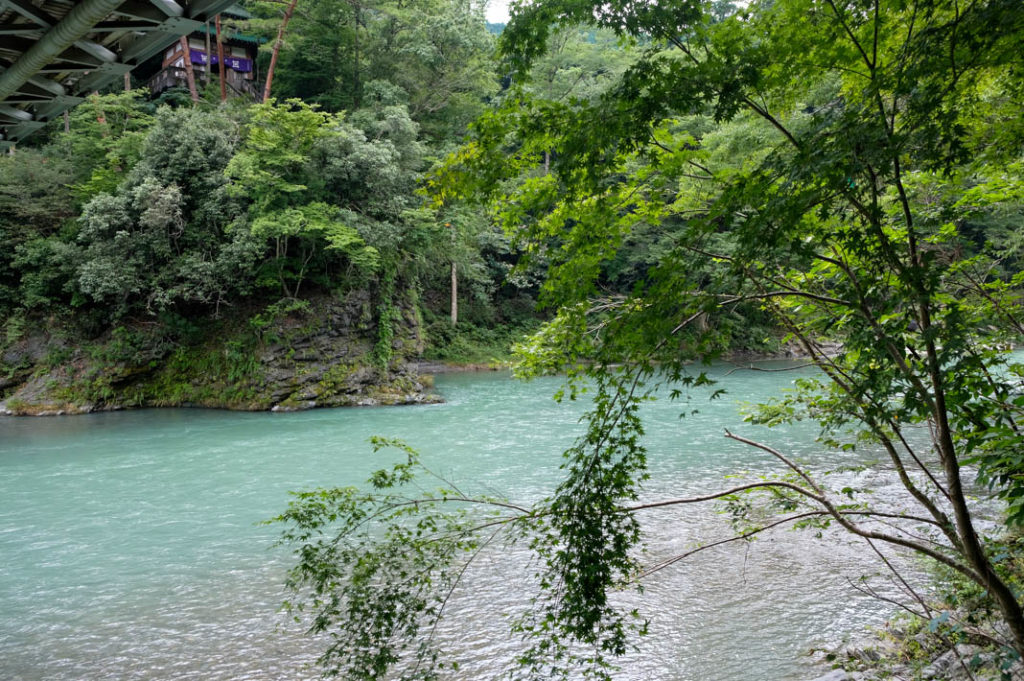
<point x="51" y="56"/>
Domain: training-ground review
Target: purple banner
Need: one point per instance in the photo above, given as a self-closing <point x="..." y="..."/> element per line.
<point x="238" y="64"/>
<point x="235" y="63"/>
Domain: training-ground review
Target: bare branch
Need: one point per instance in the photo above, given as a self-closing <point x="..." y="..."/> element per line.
<point x="781" y="457"/>
<point x="740" y="537"/>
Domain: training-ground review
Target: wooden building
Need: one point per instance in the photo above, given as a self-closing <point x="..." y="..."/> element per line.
<point x="240" y="52"/>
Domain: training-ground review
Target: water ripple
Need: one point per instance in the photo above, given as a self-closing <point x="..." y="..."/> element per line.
<point x="131" y="550"/>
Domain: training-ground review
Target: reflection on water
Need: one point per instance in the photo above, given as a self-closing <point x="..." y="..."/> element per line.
<point x="131" y="550"/>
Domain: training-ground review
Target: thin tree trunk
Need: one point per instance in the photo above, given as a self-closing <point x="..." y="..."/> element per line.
<point x="209" y="57"/>
<point x="128" y="82"/>
<point x="190" y="75"/>
<point x="998" y="589"/>
<point x="101" y="117"/>
<point x="455" y="278"/>
<point x="455" y="296"/>
<point x="220" y="62"/>
<point x="356" y="95"/>
<point x="277" y="48"/>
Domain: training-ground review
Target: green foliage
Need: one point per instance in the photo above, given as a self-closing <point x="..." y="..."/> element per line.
<point x="817" y="168"/>
<point x="316" y="227"/>
<point x="387" y="315"/>
<point x="474" y="343"/>
<point x="578" y="64"/>
<point x="172" y="362"/>
<point x="275" y="312"/>
<point x="104" y="140"/>
<point x="270" y="166"/>
<point x="163" y="239"/>
<point x="586" y="549"/>
<point x="190" y="209"/>
<point x="331" y="198"/>
<point x="35" y="203"/>
<point x="14" y="328"/>
<point x="433" y="57"/>
<point x="375" y="568"/>
<point x="958" y="614"/>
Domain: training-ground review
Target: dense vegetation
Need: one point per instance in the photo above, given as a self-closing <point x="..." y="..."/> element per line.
<point x="671" y="181"/>
<point x="849" y="172"/>
<point x="142" y="228"/>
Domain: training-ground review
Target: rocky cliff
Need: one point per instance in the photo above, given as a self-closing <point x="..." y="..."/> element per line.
<point x="321" y="352"/>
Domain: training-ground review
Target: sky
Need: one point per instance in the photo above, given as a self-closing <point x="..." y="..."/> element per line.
<point x="497" y="11"/>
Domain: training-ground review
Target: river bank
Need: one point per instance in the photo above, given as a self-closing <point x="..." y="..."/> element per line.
<point x="971" y="647"/>
<point x="324" y="352"/>
<point x="950" y="632"/>
<point x="320" y="352"/>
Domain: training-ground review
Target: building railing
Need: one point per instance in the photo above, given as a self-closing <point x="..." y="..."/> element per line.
<point x="177" y="77"/>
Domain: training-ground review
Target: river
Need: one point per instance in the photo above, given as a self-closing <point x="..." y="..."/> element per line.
<point x="130" y="546"/>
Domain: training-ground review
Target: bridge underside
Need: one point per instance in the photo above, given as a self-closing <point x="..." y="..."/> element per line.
<point x="54" y="52"/>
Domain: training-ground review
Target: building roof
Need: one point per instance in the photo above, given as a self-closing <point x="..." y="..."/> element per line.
<point x="236" y="12"/>
<point x="232" y="34"/>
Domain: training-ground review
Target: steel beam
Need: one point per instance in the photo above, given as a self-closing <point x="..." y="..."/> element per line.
<point x="24" y="129"/>
<point x="96" y="50"/>
<point x="33" y="91"/>
<point x="169" y="7"/>
<point x="65" y="67"/>
<point x="206" y="9"/>
<point x="145" y="46"/>
<point x="36" y="84"/>
<point x="101" y="77"/>
<point x="53" y="87"/>
<point x="147" y="11"/>
<point x="27" y="30"/>
<point x="72" y="27"/>
<point x="9" y="113"/>
<point x="81" y="52"/>
<point x="77" y="55"/>
<point x="114" y="26"/>
<point x="30" y="11"/>
<point x="56" y="106"/>
<point x="71" y="45"/>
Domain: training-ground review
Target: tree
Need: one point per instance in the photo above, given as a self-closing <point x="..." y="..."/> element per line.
<point x="104" y="139"/>
<point x="580" y="63"/>
<point x="277" y="48"/>
<point x="434" y="57"/>
<point x="162" y="239"/>
<point x="35" y="202"/>
<point x="848" y="224"/>
<point x="272" y="171"/>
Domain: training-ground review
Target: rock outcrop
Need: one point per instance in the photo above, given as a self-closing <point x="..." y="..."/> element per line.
<point x="923" y="656"/>
<point x="320" y="353"/>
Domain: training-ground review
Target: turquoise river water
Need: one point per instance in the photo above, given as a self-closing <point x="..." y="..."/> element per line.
<point x="130" y="546"/>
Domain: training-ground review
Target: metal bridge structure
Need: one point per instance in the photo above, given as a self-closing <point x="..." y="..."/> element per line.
<point x="53" y="53"/>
